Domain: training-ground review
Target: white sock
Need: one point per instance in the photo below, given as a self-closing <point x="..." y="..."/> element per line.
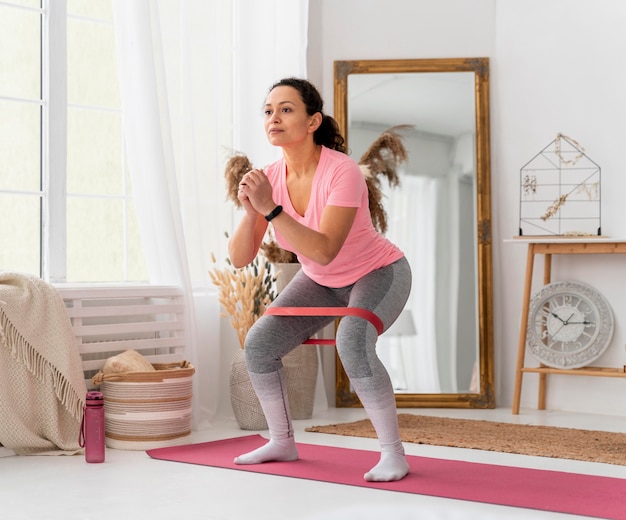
<point x="272" y="393"/>
<point x="392" y="465"/>
<point x="376" y="395"/>
<point x="283" y="450"/>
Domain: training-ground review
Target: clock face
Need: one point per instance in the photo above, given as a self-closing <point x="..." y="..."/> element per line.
<point x="570" y="325"/>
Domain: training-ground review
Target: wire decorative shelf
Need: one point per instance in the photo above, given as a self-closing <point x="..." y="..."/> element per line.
<point x="560" y="192"/>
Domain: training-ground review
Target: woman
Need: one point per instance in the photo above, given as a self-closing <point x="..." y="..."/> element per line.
<point x="317" y="201"/>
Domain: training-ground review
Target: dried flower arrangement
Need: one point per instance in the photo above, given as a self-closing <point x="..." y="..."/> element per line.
<point x="554" y="207"/>
<point x="382" y="158"/>
<point x="245" y="293"/>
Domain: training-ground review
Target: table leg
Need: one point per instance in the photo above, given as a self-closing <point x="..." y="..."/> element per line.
<point x="547" y="276"/>
<point x="521" y="347"/>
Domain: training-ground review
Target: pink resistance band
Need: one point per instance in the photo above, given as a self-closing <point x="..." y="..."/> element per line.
<point x="327" y="311"/>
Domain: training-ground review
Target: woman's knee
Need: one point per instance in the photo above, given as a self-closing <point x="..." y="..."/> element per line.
<point x="259" y="349"/>
<point x="353" y="339"/>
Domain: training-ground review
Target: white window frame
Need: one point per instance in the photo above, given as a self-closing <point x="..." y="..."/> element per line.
<point x="54" y="141"/>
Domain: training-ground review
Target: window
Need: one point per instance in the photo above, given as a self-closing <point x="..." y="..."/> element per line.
<point x="21" y="109"/>
<point x="64" y="186"/>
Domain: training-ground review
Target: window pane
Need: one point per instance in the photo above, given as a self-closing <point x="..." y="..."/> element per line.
<point x="20" y="131"/>
<point x="91" y="64"/>
<point x="103" y="243"/>
<point x="20" y="247"/>
<point x="94" y="163"/>
<point x="102" y="9"/>
<point x="95" y="240"/>
<point x="36" y="4"/>
<point x="20" y="60"/>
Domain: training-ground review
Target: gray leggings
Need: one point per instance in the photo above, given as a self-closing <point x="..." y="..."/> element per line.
<point x="384" y="292"/>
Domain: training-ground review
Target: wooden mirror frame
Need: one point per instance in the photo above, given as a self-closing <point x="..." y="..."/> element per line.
<point x="485" y="398"/>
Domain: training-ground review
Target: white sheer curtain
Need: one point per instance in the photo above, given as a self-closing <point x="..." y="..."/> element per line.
<point x="271" y="44"/>
<point x="193" y="75"/>
<point x="423" y="222"/>
<point x="447" y="280"/>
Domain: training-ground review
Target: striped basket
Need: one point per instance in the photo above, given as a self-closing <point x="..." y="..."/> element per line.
<point x="146" y="410"/>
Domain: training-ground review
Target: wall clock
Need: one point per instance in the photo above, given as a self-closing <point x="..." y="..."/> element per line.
<point x="570" y="324"/>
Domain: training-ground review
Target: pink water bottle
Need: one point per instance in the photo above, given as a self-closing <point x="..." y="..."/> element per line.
<point x="92" y="428"/>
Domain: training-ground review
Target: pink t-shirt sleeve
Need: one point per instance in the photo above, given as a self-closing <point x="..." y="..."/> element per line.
<point x="346" y="186"/>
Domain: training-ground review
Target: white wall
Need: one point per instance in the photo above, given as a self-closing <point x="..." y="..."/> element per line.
<point x="556" y="66"/>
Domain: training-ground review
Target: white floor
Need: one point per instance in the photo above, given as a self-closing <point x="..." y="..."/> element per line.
<point x="130" y="485"/>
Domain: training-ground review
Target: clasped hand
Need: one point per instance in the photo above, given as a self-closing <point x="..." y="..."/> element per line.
<point x="255" y="193"/>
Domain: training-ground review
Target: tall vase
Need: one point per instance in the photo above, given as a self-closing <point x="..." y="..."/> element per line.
<point x="243" y="399"/>
<point x="301" y="364"/>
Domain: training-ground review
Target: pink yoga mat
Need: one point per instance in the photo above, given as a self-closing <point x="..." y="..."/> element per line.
<point x="602" y="497"/>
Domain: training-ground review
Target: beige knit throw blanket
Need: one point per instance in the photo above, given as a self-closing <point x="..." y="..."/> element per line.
<point x="42" y="385"/>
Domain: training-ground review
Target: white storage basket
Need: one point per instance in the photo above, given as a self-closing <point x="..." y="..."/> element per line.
<point x="146" y="410"/>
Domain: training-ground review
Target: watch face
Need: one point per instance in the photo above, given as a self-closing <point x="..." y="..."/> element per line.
<point x="570" y="325"/>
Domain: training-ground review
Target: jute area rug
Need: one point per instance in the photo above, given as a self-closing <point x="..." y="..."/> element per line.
<point x="542" y="441"/>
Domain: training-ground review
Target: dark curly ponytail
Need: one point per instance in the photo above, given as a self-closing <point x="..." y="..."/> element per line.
<point x="328" y="132"/>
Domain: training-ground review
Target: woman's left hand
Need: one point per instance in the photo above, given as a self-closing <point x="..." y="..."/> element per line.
<point x="256" y="187"/>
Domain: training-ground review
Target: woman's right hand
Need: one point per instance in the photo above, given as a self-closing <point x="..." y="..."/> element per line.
<point x="246" y="240"/>
<point x="244" y="200"/>
<point x="255" y="187"/>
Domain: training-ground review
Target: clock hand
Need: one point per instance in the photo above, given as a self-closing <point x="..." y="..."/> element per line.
<point x="564" y="323"/>
<point x="558" y="317"/>
<point x="557" y="330"/>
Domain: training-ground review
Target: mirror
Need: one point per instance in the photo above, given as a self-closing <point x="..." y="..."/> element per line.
<point x="439" y="353"/>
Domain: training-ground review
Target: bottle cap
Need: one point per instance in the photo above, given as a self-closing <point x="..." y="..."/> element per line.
<point x="94" y="398"/>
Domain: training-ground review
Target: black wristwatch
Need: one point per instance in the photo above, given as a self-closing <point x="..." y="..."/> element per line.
<point x="274" y="213"/>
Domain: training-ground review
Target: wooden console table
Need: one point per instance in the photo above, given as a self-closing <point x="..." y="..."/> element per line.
<point x="549" y="247"/>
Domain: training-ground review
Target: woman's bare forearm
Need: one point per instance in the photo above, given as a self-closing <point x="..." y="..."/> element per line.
<point x="320" y="246"/>
<point x="245" y="242"/>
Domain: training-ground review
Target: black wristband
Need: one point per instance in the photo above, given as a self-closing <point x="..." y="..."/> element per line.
<point x="275" y="212"/>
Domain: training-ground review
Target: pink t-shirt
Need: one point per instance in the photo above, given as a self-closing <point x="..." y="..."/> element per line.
<point x="338" y="181"/>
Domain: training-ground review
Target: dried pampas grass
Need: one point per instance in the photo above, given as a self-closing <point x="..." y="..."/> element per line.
<point x="245" y="293"/>
<point x="383" y="158"/>
<point x="236" y="167"/>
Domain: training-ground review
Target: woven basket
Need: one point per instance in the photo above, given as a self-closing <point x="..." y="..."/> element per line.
<point x="146" y="410"/>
